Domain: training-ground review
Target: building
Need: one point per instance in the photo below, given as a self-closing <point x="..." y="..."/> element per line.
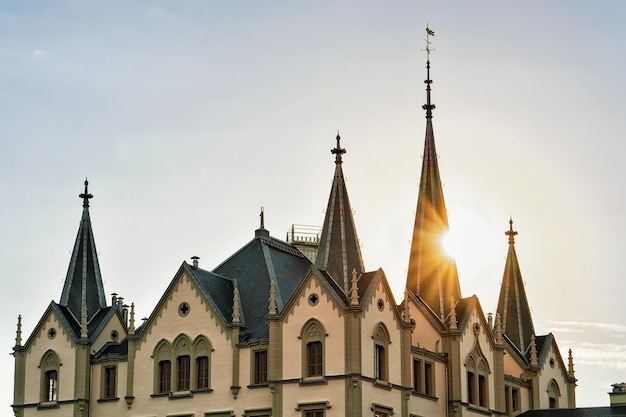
<point x="295" y="328"/>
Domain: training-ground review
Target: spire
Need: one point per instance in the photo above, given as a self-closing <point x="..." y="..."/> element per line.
<point x="354" y="289"/>
<point x="453" y="320"/>
<point x="83" y="323"/>
<point x="272" y="308"/>
<point x="131" y="325"/>
<point x="83" y="282"/>
<point x="261" y="231"/>
<point x="18" y="333"/>
<point x="513" y="307"/>
<point x="431" y="274"/>
<point x="570" y="364"/>
<point x="339" y="250"/>
<point x="236" y="315"/>
<point x="534" y="360"/>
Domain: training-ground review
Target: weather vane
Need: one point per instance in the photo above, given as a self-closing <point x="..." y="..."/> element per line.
<point x="429" y="33"/>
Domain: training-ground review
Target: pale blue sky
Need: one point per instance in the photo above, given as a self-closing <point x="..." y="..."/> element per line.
<point x="188" y="117"/>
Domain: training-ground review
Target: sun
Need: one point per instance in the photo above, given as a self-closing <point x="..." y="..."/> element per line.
<point x="470" y="241"/>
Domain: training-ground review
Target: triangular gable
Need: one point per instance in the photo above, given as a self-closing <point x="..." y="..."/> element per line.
<point x="379" y="277"/>
<point x="325" y="282"/>
<point x="465" y="307"/>
<point x="180" y="275"/>
<point x="53" y="309"/>
<point x="543" y="347"/>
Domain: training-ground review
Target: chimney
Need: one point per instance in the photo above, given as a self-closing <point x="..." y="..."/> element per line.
<point x="618" y="395"/>
<point x="195" y="261"/>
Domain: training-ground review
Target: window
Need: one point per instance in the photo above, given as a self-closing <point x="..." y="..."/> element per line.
<point x="313" y="409"/>
<point x="381" y="410"/>
<point x="201" y="349"/>
<point x="314" y="413"/>
<point x="553" y="394"/>
<point x="417" y="376"/>
<point x="51" y="386"/>
<point x="482" y="391"/>
<point x="429" y="385"/>
<point x="477" y="378"/>
<point x="182" y="364"/>
<point x="471" y="387"/>
<point x="260" y="367"/>
<point x="49" y="366"/>
<point x="314" y="358"/>
<point x="381" y="342"/>
<point x="202" y="372"/>
<point x="313" y="336"/>
<point x="165" y="372"/>
<point x="379" y="363"/>
<point x="515" y="401"/>
<point x="108" y="384"/>
<point x="507" y="399"/>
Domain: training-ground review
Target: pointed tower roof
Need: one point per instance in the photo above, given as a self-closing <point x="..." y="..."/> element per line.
<point x="339" y="252"/>
<point x="513" y="308"/>
<point x="431" y="274"/>
<point x="83" y="283"/>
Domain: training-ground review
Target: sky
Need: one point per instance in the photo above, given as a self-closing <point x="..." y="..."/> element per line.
<point x="188" y="117"/>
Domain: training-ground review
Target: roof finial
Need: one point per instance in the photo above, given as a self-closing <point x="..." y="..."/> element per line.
<point x="534" y="360"/>
<point x="570" y="364"/>
<point x="429" y="107"/>
<point x="511" y="233"/>
<point x="262" y="218"/>
<point x="131" y="323"/>
<point x="86" y="196"/>
<point x="18" y="333"/>
<point x="338" y="151"/>
<point x="354" y="289"/>
<point x="236" y="313"/>
<point x="83" y="323"/>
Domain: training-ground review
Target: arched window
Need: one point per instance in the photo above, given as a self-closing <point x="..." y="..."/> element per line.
<point x="477" y="369"/>
<point x="182" y="352"/>
<point x="162" y="367"/>
<point x="381" y="352"/>
<point x="49" y="366"/>
<point x="553" y="394"/>
<point x="202" y="358"/>
<point x="313" y="336"/>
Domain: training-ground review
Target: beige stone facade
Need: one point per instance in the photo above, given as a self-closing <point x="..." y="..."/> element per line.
<point x="274" y="332"/>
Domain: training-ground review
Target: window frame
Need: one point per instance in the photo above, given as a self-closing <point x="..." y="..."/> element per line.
<point x="477" y="371"/>
<point x="49" y="365"/>
<point x="381" y="355"/>
<point x="313" y="334"/>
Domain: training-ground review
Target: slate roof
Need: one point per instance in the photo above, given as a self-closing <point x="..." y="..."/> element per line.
<point x="339" y="251"/>
<point x="262" y="260"/>
<point x="218" y="290"/>
<point x="513" y="307"/>
<point x="578" y="412"/>
<point x="94" y="326"/>
<point x="83" y="282"/>
<point x="431" y="274"/>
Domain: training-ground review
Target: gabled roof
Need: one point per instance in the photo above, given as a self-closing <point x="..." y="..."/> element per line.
<point x="253" y="267"/>
<point x="83" y="282"/>
<point x="339" y="251"/>
<point x="218" y="290"/>
<point x="431" y="274"/>
<point x="513" y="307"/>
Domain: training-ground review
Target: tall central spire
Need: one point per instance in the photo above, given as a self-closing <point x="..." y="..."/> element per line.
<point x="339" y="251"/>
<point x="432" y="275"/>
<point x="83" y="283"/>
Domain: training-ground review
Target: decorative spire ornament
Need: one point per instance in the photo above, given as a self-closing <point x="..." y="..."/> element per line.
<point x="570" y="364"/>
<point x="534" y="361"/>
<point x="453" y="321"/>
<point x="83" y="323"/>
<point x="131" y="324"/>
<point x="499" y="340"/>
<point x="272" y="304"/>
<point x="354" y="289"/>
<point x="18" y="335"/>
<point x="236" y="315"/>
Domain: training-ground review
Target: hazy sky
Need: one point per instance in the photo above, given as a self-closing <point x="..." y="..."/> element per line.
<point x="187" y="117"/>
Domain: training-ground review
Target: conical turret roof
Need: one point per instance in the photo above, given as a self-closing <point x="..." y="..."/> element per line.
<point x="432" y="275"/>
<point x="83" y="283"/>
<point x="339" y="252"/>
<point x="513" y="307"/>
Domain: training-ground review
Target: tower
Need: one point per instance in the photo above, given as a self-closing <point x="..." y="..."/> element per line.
<point x="431" y="274"/>
<point x="339" y="252"/>
<point x="513" y="307"/>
